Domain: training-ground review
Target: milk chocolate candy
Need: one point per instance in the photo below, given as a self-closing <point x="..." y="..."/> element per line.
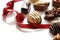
<point x="56" y="3"/>
<point x="34" y="18"/>
<point x="55" y="28"/>
<point x="41" y="6"/>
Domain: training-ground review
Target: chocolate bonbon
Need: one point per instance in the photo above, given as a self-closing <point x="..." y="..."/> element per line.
<point x="55" y="28"/>
<point x="34" y="18"/>
<point x="41" y="6"/>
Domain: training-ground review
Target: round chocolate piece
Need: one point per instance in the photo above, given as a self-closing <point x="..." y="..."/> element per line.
<point x="41" y="6"/>
<point x="55" y="28"/>
<point x="34" y="18"/>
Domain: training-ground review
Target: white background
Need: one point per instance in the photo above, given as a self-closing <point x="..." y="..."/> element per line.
<point x="10" y="32"/>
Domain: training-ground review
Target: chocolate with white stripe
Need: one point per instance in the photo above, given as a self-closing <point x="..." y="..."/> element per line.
<point x="34" y="18"/>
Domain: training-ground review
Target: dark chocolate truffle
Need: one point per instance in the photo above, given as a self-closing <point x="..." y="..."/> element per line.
<point x="41" y="6"/>
<point x="55" y="28"/>
<point x="34" y="18"/>
<point x="56" y="3"/>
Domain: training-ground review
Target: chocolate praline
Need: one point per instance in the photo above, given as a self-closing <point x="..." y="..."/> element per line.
<point x="49" y="15"/>
<point x="34" y="18"/>
<point x="41" y="6"/>
<point x="55" y="28"/>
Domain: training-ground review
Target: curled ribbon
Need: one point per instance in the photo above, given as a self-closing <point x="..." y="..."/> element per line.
<point x="20" y="17"/>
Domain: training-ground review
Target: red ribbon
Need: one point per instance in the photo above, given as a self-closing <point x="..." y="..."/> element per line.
<point x="20" y="17"/>
<point x="16" y="0"/>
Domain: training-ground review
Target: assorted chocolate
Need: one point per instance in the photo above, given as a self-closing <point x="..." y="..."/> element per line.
<point x="55" y="28"/>
<point x="34" y="18"/>
<point x="41" y="6"/>
<point x="56" y="37"/>
<point x="52" y="14"/>
<point x="56" y="3"/>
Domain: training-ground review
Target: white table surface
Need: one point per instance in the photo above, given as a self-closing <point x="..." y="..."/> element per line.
<point x="10" y="31"/>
